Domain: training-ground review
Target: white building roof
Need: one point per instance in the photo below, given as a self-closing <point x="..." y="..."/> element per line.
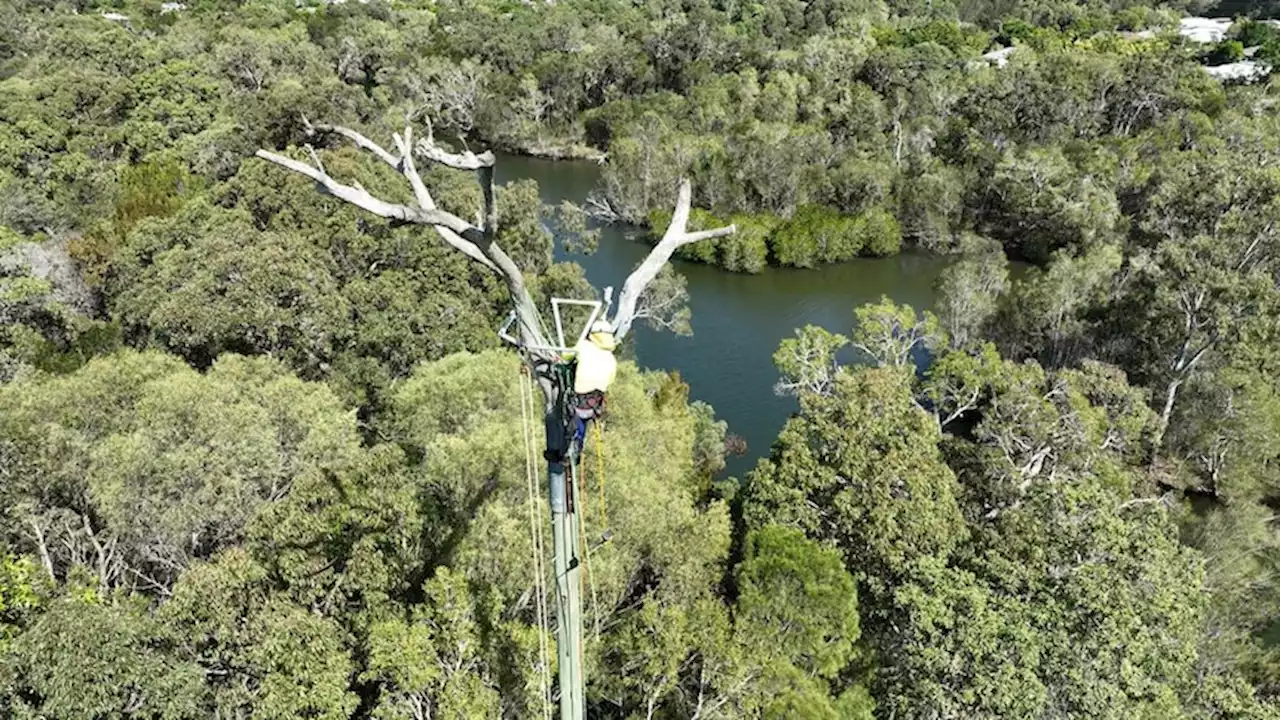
<point x="999" y="57"/>
<point x="1204" y="30"/>
<point x="1243" y="70"/>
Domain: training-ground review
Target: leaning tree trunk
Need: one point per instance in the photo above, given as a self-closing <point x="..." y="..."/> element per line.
<point x="479" y="242"/>
<point x="567" y="565"/>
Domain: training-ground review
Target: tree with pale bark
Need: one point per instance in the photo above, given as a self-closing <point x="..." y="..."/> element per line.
<point x="542" y="353"/>
<point x="478" y="240"/>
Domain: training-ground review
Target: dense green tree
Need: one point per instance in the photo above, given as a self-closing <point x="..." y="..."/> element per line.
<point x="930" y="202"/>
<point x="969" y="290"/>
<point x="807" y="363"/>
<point x="1223" y="433"/>
<point x="709" y="439"/>
<point x="1210" y="276"/>
<point x="136" y="465"/>
<point x="1041" y="203"/>
<point x="434" y="665"/>
<point x="20" y="595"/>
<point x="1050" y="314"/>
<point x="996" y="597"/>
<point x="1073" y="448"/>
<point x="1023" y="636"/>
<point x="258" y="651"/>
<point x="205" y="283"/>
<point x="85" y="659"/>
<point x="797" y="600"/>
<point x="891" y="334"/>
<point x="1239" y="547"/>
<point x="987" y="536"/>
<point x="816" y="235"/>
<point x="886" y="499"/>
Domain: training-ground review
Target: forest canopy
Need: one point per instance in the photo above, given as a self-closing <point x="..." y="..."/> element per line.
<point x="260" y="451"/>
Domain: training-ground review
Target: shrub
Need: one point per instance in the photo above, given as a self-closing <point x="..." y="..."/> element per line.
<point x="1227" y="51"/>
<point x="747" y="250"/>
<point x="1251" y="33"/>
<point x="879" y="233"/>
<point x="744" y="251"/>
<point x="816" y="235"/>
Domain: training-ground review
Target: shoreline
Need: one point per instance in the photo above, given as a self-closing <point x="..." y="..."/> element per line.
<point x="571" y="152"/>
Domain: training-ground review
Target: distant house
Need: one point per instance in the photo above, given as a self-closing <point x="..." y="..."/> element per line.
<point x="1196" y="29"/>
<point x="999" y="57"/>
<point x="1243" y="71"/>
<point x="1204" y="30"/>
<point x="1214" y="30"/>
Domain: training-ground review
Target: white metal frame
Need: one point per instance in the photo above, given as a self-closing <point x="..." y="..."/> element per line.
<point x="505" y="331"/>
<point x="555" y="310"/>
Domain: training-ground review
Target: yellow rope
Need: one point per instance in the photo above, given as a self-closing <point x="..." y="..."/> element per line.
<point x="580" y="500"/>
<point x="604" y="508"/>
<point x="527" y="402"/>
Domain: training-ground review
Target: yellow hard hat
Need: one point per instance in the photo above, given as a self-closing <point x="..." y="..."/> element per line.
<point x="601" y="335"/>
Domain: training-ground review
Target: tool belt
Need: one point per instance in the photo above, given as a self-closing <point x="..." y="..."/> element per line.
<point x="588" y="406"/>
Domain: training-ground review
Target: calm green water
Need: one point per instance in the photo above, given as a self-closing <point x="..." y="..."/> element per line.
<point x="738" y="320"/>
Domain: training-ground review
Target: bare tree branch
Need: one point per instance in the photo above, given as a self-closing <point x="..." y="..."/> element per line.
<point x="315" y="158"/>
<point x="45" y="560"/>
<point x="151" y="582"/>
<point x="478" y="240"/>
<point x="708" y="234"/>
<point x="105" y="556"/>
<point x="598" y="206"/>
<point x="663" y="305"/>
<point x="676" y="236"/>
<point x="1165" y="499"/>
<point x="485" y="239"/>
<point x="405" y="166"/>
<point x="490" y="204"/>
<point x="361" y="141"/>
<point x="458" y="161"/>
<point x="477" y="243"/>
<point x="410" y="170"/>
<point x="361" y="198"/>
<point x="355" y="195"/>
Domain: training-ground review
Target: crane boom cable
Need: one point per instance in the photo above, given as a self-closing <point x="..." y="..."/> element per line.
<point x="527" y="403"/>
<point x="604" y="508"/>
<point x="580" y="496"/>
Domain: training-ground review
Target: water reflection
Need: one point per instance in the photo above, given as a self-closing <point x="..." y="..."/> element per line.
<point x="738" y="320"/>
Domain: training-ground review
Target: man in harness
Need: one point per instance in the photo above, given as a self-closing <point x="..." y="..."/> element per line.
<point x="594" y="370"/>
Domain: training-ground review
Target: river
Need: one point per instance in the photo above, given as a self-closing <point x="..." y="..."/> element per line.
<point x="738" y="319"/>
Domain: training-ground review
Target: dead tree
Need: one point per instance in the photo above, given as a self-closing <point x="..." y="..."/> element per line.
<point x="480" y="243"/>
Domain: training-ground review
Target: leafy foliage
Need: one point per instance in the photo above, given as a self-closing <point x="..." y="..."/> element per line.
<point x="137" y="465"/>
<point x="297" y="490"/>
<point x="992" y="591"/>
